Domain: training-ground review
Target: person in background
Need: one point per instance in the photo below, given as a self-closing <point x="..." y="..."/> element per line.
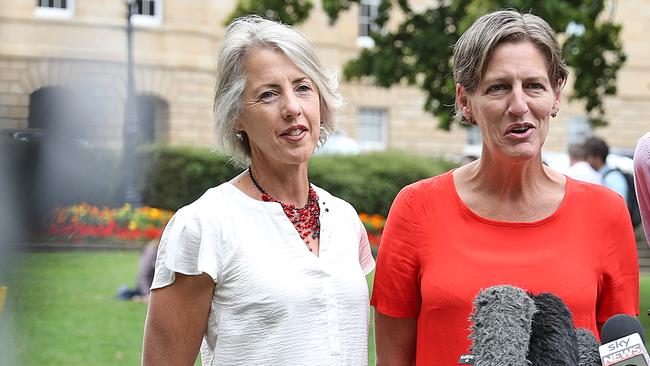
<point x="266" y="269"/>
<point x="504" y="219"/>
<point x="579" y="167"/>
<point x="146" y="267"/>
<point x="597" y="150"/>
<point x="642" y="181"/>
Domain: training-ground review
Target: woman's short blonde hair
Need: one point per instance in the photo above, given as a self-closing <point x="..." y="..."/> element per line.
<point x="474" y="48"/>
<point x="240" y="38"/>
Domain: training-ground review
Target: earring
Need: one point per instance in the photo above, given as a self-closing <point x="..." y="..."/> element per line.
<point x="554" y="114"/>
<point x="240" y="135"/>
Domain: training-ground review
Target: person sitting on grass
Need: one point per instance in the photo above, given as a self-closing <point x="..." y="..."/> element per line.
<point x="146" y="269"/>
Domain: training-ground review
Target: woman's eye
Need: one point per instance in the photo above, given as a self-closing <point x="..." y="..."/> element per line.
<point x="303" y="88"/>
<point x="267" y="95"/>
<point x="496" y="88"/>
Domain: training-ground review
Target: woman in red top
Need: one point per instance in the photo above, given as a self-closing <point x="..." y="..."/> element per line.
<point x="505" y="218"/>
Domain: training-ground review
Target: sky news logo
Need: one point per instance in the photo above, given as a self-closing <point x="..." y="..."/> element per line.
<point x="626" y="348"/>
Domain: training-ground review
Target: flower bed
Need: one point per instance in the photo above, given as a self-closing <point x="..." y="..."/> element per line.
<point x="87" y="223"/>
<point x="374" y="226"/>
<point x="84" y="223"/>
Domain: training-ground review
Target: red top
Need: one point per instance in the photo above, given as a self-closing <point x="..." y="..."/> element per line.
<point x="436" y="255"/>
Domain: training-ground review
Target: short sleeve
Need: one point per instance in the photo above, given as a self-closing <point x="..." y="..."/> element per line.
<point x="396" y="287"/>
<point x="619" y="289"/>
<point x="186" y="247"/>
<point x="366" y="259"/>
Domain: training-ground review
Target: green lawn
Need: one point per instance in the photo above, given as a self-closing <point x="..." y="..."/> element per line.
<point x="65" y="314"/>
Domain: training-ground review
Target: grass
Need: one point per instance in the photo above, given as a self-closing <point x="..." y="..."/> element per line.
<point x="64" y="312"/>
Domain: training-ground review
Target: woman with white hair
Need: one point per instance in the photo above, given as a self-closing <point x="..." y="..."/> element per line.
<point x="266" y="269"/>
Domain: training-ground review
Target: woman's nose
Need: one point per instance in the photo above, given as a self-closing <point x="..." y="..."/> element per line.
<point x="291" y="107"/>
<point x="518" y="102"/>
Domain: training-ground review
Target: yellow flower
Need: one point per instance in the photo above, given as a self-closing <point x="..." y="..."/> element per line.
<point x="155" y="213"/>
<point x="133" y="225"/>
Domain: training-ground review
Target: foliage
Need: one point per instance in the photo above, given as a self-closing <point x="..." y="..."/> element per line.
<point x="286" y="11"/>
<point x="370" y="182"/>
<point x="174" y="176"/>
<point x="419" y="51"/>
<point x="84" y="222"/>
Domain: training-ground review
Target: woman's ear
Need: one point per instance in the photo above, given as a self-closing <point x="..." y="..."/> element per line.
<point x="239" y="126"/>
<point x="462" y="101"/>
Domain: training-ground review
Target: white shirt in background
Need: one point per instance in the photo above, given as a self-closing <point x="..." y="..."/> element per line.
<point x="584" y="172"/>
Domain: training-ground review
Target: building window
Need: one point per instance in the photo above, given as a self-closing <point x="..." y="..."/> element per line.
<point x="54" y="8"/>
<point x="147" y="13"/>
<point x="372" y="129"/>
<point x="577" y="130"/>
<point x="145" y="7"/>
<point x="368" y="10"/>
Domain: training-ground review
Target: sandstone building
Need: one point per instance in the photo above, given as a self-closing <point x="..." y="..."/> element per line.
<point x="62" y="69"/>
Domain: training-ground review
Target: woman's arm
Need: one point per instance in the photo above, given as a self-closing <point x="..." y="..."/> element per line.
<point x="395" y="340"/>
<point x="176" y="321"/>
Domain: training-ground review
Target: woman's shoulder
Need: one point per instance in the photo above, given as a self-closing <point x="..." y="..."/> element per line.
<point x="595" y="195"/>
<point x="442" y="183"/>
<point x="214" y="200"/>
<point x="327" y="199"/>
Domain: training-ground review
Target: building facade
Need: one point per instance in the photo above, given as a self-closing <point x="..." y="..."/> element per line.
<point x="63" y="69"/>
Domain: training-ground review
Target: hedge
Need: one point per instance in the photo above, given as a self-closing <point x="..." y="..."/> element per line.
<point x="175" y="176"/>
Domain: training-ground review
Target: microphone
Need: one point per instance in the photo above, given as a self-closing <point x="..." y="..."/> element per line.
<point x="623" y="341"/>
<point x="587" y="348"/>
<point x="553" y="339"/>
<point x="501" y="326"/>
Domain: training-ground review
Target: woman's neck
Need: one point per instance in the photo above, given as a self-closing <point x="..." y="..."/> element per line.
<point x="286" y="183"/>
<point x="510" y="192"/>
<point x="516" y="180"/>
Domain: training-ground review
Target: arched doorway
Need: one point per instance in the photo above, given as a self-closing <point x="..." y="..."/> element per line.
<point x="153" y="119"/>
<point x="52" y="109"/>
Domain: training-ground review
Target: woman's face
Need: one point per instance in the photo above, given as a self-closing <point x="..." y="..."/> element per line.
<point x="281" y="114"/>
<point x="513" y="102"/>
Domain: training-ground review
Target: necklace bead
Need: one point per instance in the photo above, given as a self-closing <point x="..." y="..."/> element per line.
<point x="306" y="220"/>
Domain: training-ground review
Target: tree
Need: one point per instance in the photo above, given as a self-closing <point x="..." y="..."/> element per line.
<point x="288" y="11"/>
<point x="419" y="51"/>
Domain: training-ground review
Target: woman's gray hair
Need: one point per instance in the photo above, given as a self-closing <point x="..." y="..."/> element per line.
<point x="474" y="48"/>
<point x="240" y="38"/>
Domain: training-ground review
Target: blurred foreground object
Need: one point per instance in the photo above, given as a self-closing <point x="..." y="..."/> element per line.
<point x="642" y="180"/>
<point x="3" y="298"/>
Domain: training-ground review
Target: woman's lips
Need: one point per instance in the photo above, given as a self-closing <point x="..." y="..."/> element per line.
<point x="295" y="133"/>
<point x="520" y="131"/>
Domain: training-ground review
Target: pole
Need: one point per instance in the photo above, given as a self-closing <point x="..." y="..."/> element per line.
<point x="132" y="196"/>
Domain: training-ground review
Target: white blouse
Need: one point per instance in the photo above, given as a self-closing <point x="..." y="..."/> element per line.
<point x="274" y="302"/>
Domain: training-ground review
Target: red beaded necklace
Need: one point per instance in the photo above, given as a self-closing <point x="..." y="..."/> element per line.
<point x="306" y="220"/>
